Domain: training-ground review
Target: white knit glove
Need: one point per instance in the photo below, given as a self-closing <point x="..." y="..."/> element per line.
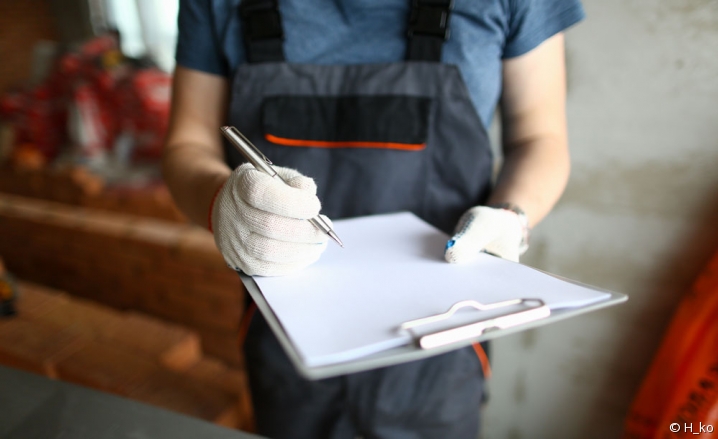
<point x="260" y="223"/>
<point x="493" y="230"/>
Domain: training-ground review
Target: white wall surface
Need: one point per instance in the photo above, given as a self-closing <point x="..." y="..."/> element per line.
<point x="640" y="215"/>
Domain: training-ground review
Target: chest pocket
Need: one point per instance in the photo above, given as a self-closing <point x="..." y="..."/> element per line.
<point x="384" y="122"/>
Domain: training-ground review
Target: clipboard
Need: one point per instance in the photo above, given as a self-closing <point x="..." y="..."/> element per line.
<point x="533" y="314"/>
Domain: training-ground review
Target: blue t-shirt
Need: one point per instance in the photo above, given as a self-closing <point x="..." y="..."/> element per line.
<point x="483" y="33"/>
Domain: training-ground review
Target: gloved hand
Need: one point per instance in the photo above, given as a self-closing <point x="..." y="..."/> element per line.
<point x="501" y="232"/>
<point x="259" y="222"/>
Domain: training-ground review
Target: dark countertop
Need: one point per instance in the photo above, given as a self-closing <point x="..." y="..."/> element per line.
<point x="35" y="407"/>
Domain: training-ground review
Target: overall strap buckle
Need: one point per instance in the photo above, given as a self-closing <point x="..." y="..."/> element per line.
<point x="262" y="30"/>
<point x="428" y="29"/>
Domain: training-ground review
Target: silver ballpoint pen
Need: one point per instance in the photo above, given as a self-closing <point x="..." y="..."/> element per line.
<point x="262" y="163"/>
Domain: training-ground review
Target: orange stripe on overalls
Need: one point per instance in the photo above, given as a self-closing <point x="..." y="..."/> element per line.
<point x="484" y="359"/>
<point x="344" y="144"/>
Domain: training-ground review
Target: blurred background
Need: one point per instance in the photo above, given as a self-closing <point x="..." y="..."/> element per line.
<point x="109" y="285"/>
<point x="114" y="290"/>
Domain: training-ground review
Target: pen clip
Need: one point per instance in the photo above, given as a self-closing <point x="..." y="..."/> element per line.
<point x="254" y="148"/>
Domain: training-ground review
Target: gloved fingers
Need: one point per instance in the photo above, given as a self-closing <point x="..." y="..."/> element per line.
<point x="250" y="230"/>
<point x="496" y="231"/>
<point x="262" y="268"/>
<point x="226" y="226"/>
<point x="472" y="236"/>
<point x="296" y="180"/>
<point x="258" y="267"/>
<point x="244" y="167"/>
<point x="239" y="256"/>
<point x="278" y="227"/>
<point x="283" y="252"/>
<point x="228" y="238"/>
<point x="506" y="249"/>
<point x="273" y="195"/>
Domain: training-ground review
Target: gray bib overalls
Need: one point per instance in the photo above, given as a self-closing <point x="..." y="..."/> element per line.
<point x="376" y="138"/>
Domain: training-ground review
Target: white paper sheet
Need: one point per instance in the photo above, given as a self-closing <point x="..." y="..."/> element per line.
<point x="350" y="303"/>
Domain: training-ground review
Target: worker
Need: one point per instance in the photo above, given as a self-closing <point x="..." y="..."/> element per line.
<point x="367" y="107"/>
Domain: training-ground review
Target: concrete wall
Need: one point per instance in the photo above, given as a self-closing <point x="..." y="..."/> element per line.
<point x="640" y="215"/>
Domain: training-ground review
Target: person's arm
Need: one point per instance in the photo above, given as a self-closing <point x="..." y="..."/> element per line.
<point x="536" y="160"/>
<point x="193" y="162"/>
<point x="258" y="221"/>
<point x="533" y="107"/>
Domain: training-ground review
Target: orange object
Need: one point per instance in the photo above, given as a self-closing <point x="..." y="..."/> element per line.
<point x="679" y="395"/>
<point x="7" y="293"/>
<point x="348" y="144"/>
<point x="28" y="157"/>
<point x="484" y="359"/>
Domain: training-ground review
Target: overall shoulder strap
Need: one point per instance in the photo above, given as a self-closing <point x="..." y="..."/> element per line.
<point x="264" y="37"/>
<point x="428" y="29"/>
<point x="262" y="30"/>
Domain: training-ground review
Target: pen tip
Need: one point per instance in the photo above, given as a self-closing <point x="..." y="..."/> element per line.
<point x="336" y="238"/>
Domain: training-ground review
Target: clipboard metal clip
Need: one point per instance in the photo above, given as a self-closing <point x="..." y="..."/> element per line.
<point x="535" y="309"/>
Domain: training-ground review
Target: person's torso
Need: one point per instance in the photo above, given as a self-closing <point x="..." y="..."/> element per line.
<point x="374" y="31"/>
<point x="377" y="137"/>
